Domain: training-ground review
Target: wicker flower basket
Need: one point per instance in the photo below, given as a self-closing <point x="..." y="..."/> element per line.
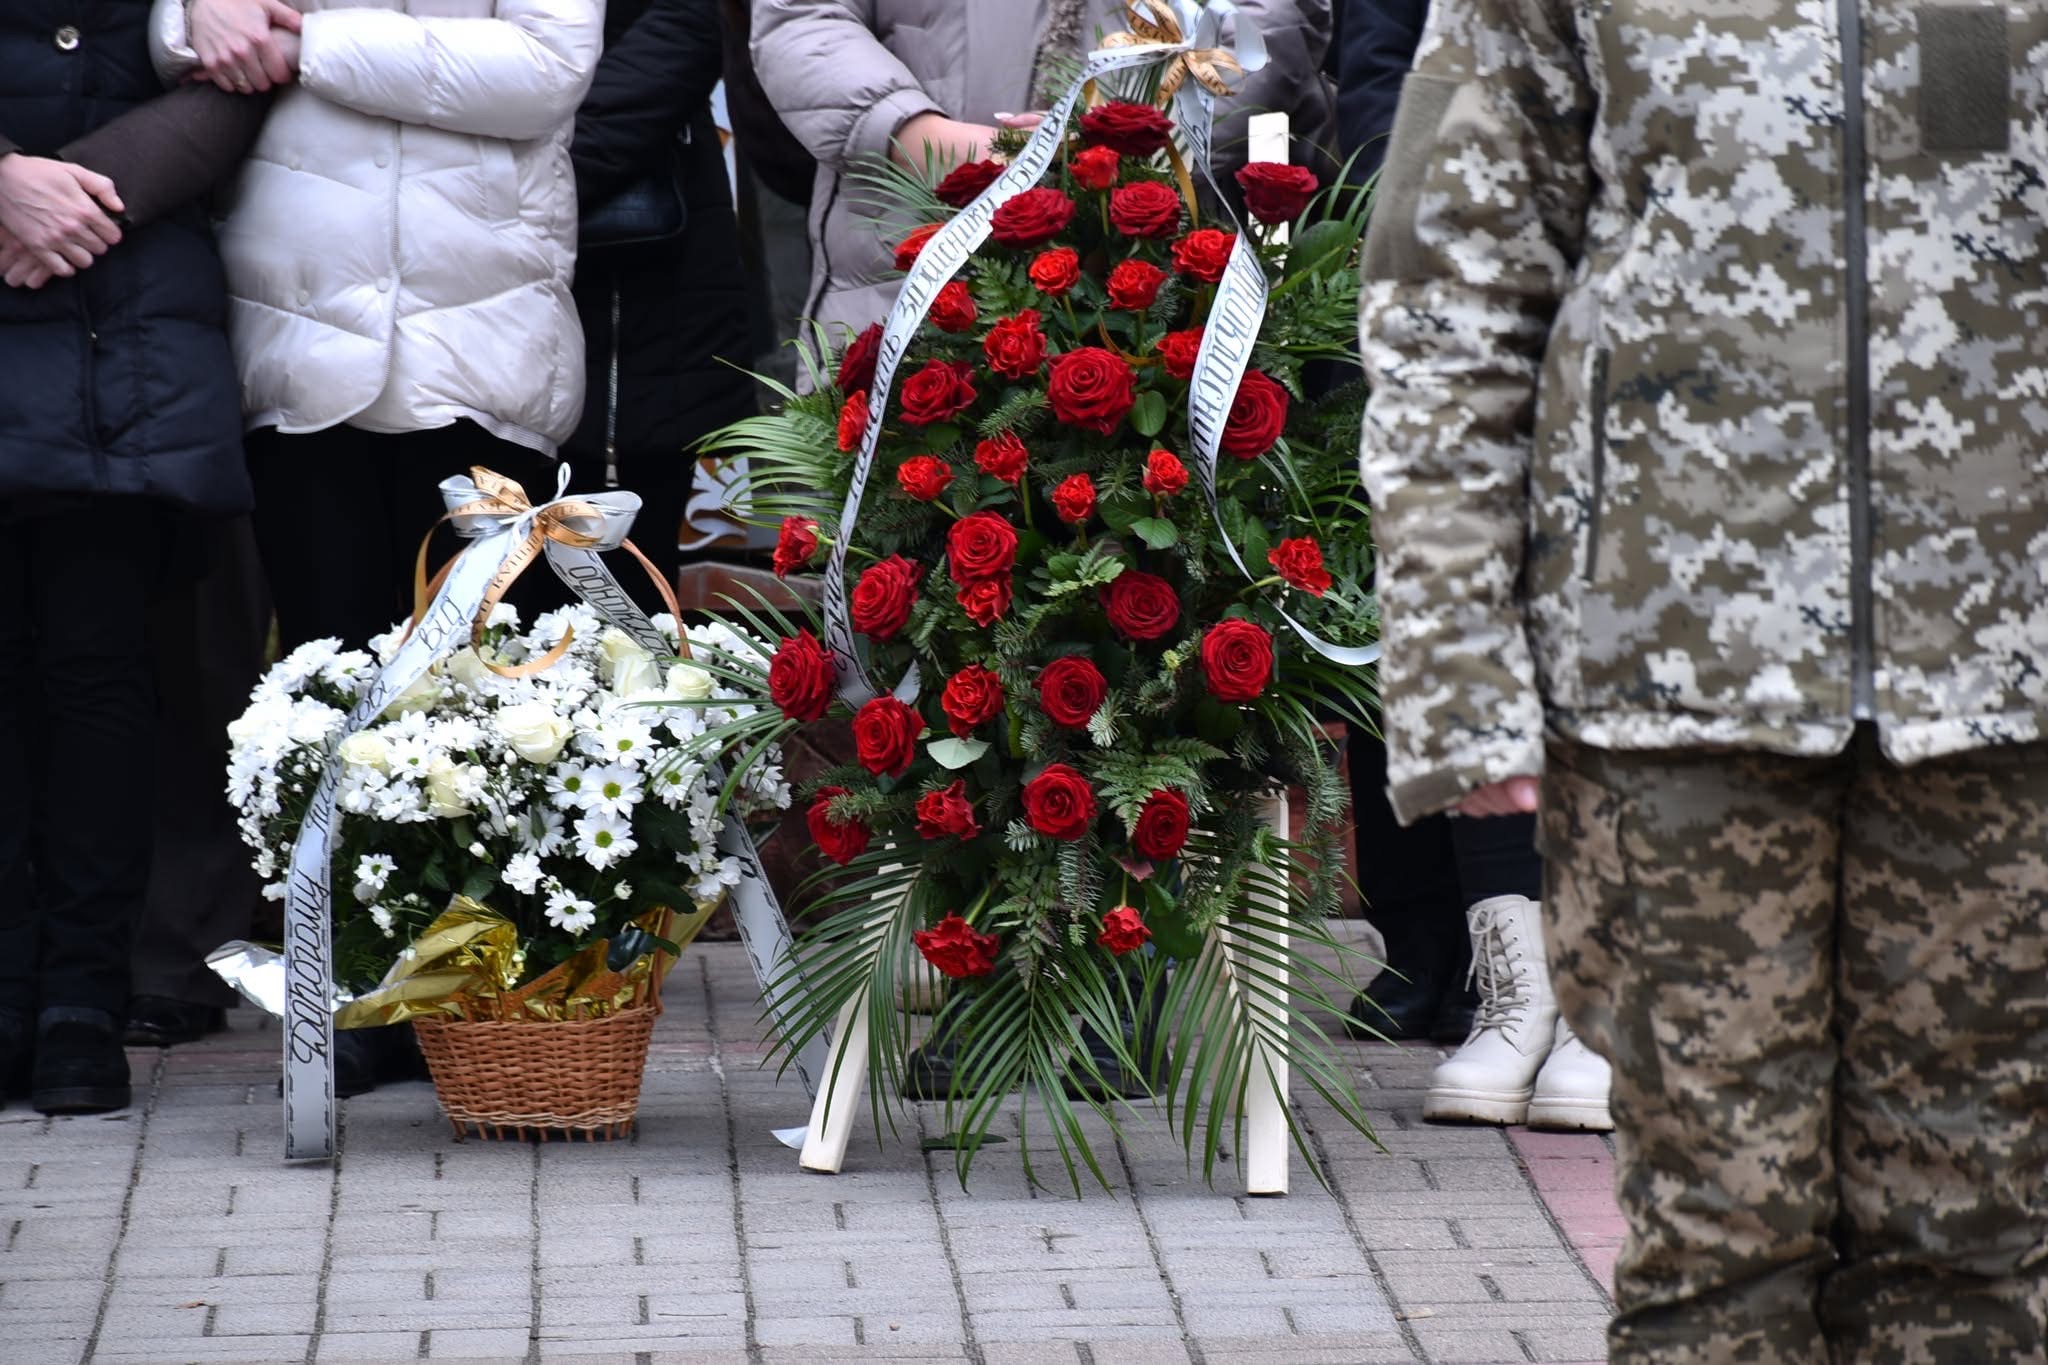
<point x="540" y="1078"/>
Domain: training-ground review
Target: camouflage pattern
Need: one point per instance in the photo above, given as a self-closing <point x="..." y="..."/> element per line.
<point x="1611" y="329"/>
<point x="1823" y="987"/>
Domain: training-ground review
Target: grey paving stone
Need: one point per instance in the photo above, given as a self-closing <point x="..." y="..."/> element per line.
<point x="367" y="1347"/>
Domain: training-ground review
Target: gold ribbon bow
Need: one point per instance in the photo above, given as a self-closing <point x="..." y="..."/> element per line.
<point x="1207" y="65"/>
<point x="505" y="498"/>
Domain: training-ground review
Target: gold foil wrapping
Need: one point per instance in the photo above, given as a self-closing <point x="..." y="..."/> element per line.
<point x="468" y="963"/>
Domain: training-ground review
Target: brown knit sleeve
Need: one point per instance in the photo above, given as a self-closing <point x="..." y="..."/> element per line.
<point x="163" y="154"/>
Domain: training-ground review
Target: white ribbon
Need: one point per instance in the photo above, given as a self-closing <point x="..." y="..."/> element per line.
<point x="309" y="966"/>
<point x="1235" y="316"/>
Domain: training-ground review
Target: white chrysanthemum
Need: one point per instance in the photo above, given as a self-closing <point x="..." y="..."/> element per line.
<point x="373" y="870"/>
<point x="623" y="891"/>
<point x="351" y="670"/>
<point x="544" y="831"/>
<point x="621" y="737"/>
<point x="613" y="789"/>
<point x="503" y="614"/>
<point x="604" y="839"/>
<point x="383" y="917"/>
<point x="522" y="873"/>
<point x="566" y="783"/>
<point x="313" y="722"/>
<point x="569" y="912"/>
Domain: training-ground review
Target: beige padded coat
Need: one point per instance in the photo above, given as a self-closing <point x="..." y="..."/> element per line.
<point x="400" y="245"/>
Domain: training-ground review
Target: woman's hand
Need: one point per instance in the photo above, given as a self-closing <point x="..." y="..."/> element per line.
<point x="1514" y="796"/>
<point x="241" y="43"/>
<point x="57" y="212"/>
<point x="18" y="268"/>
<point x="949" y="142"/>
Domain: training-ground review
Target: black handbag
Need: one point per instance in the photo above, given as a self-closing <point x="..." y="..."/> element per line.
<point x="647" y="210"/>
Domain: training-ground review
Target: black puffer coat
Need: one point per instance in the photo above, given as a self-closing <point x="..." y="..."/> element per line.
<point x="658" y="320"/>
<point x="117" y="380"/>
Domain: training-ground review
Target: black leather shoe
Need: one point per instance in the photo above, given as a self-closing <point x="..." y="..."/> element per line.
<point x="1453" y="1022"/>
<point x="1396" y="1007"/>
<point x="365" y="1058"/>
<point x="928" y="1072"/>
<point x="17" y="1053"/>
<point x="160" y="1021"/>
<point x="79" y="1067"/>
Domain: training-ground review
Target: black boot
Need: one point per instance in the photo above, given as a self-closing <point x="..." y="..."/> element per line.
<point x="17" y="1053"/>
<point x="159" y="1021"/>
<point x="79" y="1067"/>
<point x="365" y="1058"/>
<point x="1453" y="1022"/>
<point x="928" y="1069"/>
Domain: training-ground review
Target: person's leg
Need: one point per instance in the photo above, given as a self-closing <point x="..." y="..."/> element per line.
<point x="1942" y="1135"/>
<point x="1690" y="906"/>
<point x="209" y="634"/>
<point x="20" y="706"/>
<point x="1410" y="887"/>
<point x="324" y="532"/>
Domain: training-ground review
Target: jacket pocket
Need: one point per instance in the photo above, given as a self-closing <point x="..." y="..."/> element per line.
<point x="1596" y="496"/>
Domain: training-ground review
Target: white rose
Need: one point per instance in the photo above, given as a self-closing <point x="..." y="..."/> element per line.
<point x="424" y="693"/>
<point x="466" y="666"/>
<point x="366" y="749"/>
<point x="444" y="796"/>
<point x="637" y="677"/>
<point x="535" y="732"/>
<point x="621" y="651"/>
<point x="687" y="682"/>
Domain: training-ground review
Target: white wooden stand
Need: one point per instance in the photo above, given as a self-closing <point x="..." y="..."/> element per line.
<point x="1266" y="1153"/>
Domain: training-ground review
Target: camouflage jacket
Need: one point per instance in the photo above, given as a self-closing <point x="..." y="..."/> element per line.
<point x="1709" y="353"/>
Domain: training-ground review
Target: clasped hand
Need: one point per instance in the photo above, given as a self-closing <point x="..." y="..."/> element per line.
<point x="245" y="45"/>
<point x="54" y="219"/>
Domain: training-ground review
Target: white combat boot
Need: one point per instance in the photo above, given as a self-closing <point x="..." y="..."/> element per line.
<point x="1571" y="1090"/>
<point x="1492" y="1076"/>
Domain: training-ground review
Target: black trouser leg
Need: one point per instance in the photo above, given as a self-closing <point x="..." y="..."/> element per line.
<point x="87" y="575"/>
<point x="18" y="805"/>
<point x="1409" y="881"/>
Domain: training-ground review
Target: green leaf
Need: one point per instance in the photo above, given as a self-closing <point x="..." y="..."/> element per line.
<point x="1321" y="247"/>
<point x="477" y="885"/>
<point x="1156" y="532"/>
<point x="956" y="753"/>
<point x="1148" y="414"/>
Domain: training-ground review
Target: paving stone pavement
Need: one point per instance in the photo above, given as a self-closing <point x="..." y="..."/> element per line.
<point x="174" y="1232"/>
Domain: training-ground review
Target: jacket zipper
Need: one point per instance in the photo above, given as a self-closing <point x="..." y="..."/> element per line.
<point x="1862" y="644"/>
<point x="88" y="368"/>
<point x="611" y="411"/>
<point x="1599" y="494"/>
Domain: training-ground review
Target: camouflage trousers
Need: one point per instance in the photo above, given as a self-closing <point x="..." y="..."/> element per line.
<point x="1823" y="987"/>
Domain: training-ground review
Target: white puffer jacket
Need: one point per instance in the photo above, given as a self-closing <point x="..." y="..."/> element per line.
<point x="400" y="245"/>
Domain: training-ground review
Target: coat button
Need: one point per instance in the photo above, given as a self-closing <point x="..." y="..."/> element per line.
<point x="383" y="284"/>
<point x="66" y="39"/>
<point x="305" y="297"/>
<point x="383" y="160"/>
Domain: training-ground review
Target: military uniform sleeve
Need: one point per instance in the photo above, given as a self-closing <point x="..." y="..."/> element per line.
<point x="1474" y="238"/>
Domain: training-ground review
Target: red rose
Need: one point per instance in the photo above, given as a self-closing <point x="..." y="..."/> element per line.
<point x="942" y="389"/>
<point x="924" y="477"/>
<point x="1074" y="499"/>
<point x="1257" y="417"/>
<point x="842" y="843"/>
<point x="967" y="180"/>
<point x="795" y="543"/>
<point x="1146" y="209"/>
<point x="1133" y="129"/>
<point x="1002" y="456"/>
<point x="1177" y="352"/>
<point x="1162" y="825"/>
<point x="1014" y="346"/>
<point x="1165" y="475"/>
<point x="985" y="600"/>
<point x="853" y="421"/>
<point x="1123" y="930"/>
<point x="1203" y="253"/>
<point x="981" y="545"/>
<point x="1300" y="562"/>
<point x="883" y="598"/>
<point x="955" y="950"/>
<point x="907" y="250"/>
<point x="1133" y="285"/>
<point x="885" y="735"/>
<point x="857" y="362"/>
<point x="953" y="309"/>
<point x="947" y="813"/>
<point x="1276" y="192"/>
<point x="1237" y="660"/>
<point x="1140" y="605"/>
<point x="1070" y="690"/>
<point x="800" y="677"/>
<point x="973" y="697"/>
<point x="1059" y="803"/>
<point x="1032" y="217"/>
<point x="1055" y="271"/>
<point x="1091" y="388"/>
<point x="1095" y="168"/>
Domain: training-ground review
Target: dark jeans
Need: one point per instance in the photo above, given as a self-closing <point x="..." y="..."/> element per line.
<point x="77" y="748"/>
<point x="209" y="633"/>
<point x="340" y="513"/>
